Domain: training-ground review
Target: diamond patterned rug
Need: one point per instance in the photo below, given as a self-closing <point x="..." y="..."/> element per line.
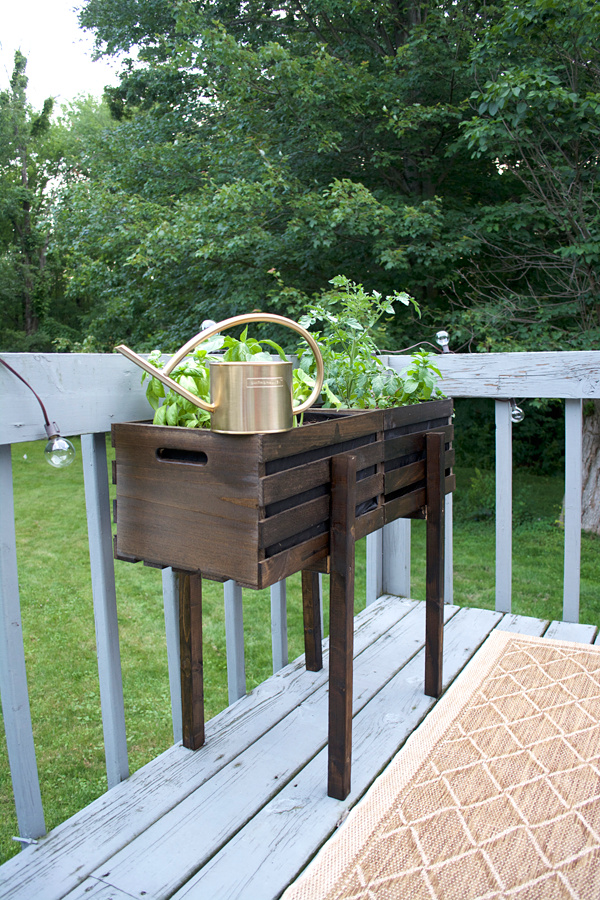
<point x="496" y="795"/>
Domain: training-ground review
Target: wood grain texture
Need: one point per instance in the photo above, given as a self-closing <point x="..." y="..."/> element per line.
<point x="434" y="588"/>
<point x="88" y="392"/>
<point x="572" y="374"/>
<point x="255" y="509"/>
<point x="84" y="392"/>
<point x="311" y="615"/>
<point x="91" y="837"/>
<point x="192" y="672"/>
<point x="13" y="674"/>
<point x="277" y="843"/>
<point x="341" y="624"/>
<point x="97" y="502"/>
<point x="242" y="817"/>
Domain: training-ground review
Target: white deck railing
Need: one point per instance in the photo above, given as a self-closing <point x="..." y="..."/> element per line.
<point x="86" y="393"/>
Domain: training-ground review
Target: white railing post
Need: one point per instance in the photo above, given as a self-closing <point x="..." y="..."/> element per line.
<point x="97" y="502"/>
<point x="396" y="558"/>
<point x="170" y="585"/>
<point x="374" y="566"/>
<point x="503" y="506"/>
<point x="448" y="552"/>
<point x="573" y="486"/>
<point x="13" y="677"/>
<point x="234" y="636"/>
<point x="279" y="642"/>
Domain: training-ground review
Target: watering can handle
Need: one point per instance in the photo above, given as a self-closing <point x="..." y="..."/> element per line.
<point x="163" y="374"/>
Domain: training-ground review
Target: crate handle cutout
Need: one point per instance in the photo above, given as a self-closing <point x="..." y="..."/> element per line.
<point x="189" y="457"/>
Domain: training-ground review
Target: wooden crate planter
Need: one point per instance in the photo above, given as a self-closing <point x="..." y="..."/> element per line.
<point x="258" y="508"/>
<point x="255" y="508"/>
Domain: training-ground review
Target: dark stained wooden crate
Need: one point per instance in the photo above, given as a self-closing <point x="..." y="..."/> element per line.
<point x="256" y="508"/>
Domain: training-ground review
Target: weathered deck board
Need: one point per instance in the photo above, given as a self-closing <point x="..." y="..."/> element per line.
<point x="276" y="844"/>
<point x="242" y="817"/>
<point x="572" y="631"/>
<point x="98" y="832"/>
<point x="241" y="789"/>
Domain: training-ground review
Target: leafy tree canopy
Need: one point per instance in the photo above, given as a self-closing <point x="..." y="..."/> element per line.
<point x="304" y="139"/>
<point x="38" y="154"/>
<point x="444" y="149"/>
<point x="538" y="114"/>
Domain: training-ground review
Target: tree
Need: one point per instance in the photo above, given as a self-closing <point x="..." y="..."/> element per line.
<point x="538" y="115"/>
<point x="24" y="222"/>
<point x="308" y="140"/>
<point x="536" y="284"/>
<point x="40" y="154"/>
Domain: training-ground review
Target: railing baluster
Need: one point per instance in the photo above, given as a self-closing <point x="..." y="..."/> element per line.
<point x="13" y="677"/>
<point x="97" y="501"/>
<point x="374" y="566"/>
<point x="573" y="484"/>
<point x="170" y="583"/>
<point x="503" y="506"/>
<point x="448" y="552"/>
<point x="279" y="642"/>
<point x="396" y="558"/>
<point x="234" y="635"/>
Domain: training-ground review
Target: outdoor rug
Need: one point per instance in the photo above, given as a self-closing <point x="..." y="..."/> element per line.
<point x="495" y="795"/>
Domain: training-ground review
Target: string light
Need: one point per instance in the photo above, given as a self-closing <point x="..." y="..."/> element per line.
<point x="443" y="340"/>
<point x="59" y="451"/>
<point x="516" y="413"/>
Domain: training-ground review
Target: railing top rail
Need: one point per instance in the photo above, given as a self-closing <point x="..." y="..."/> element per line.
<point x="562" y="375"/>
<point x="87" y="392"/>
<point x="84" y="393"/>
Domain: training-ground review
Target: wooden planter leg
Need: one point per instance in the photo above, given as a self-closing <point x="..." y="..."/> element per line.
<point x="434" y="598"/>
<point x="190" y="641"/>
<point x="311" y="611"/>
<point x="341" y="624"/>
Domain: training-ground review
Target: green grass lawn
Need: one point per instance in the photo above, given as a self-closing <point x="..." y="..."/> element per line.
<point x="58" y="622"/>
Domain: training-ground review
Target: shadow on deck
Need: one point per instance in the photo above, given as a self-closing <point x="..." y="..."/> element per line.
<point x="241" y="817"/>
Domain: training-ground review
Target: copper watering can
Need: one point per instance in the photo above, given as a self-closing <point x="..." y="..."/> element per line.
<point x="246" y="397"/>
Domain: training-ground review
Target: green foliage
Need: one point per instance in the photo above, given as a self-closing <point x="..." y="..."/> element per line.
<point x="447" y="151"/>
<point x="355" y="378"/>
<point x="537" y="113"/>
<point x="58" y="625"/>
<point x="308" y="140"/>
<point x="39" y="154"/>
<point x="538" y="441"/>
<point x="60" y="648"/>
<point x="27" y="165"/>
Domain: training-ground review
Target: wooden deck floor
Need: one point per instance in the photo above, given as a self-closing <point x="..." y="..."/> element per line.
<point x="241" y="817"/>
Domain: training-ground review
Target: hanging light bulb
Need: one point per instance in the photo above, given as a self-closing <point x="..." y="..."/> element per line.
<point x="59" y="452"/>
<point x="516" y="413"/>
<point x="443" y="340"/>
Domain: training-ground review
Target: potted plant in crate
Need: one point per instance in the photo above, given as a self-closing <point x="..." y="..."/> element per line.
<point x="255" y="507"/>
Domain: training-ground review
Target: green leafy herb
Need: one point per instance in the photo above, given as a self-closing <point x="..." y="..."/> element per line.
<point x="354" y="377"/>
